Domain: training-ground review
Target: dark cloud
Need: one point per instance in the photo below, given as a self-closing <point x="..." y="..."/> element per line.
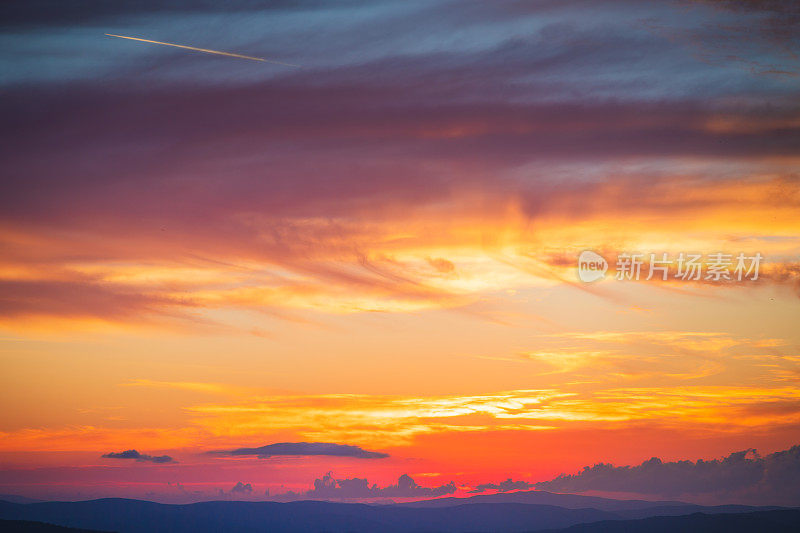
<point x="334" y="141"/>
<point x="774" y="6"/>
<point x="762" y="38"/>
<point x="141" y="457"/>
<point x="305" y="448"/>
<point x="39" y="13"/>
<point x="177" y="165"/>
<point x="774" y="478"/>
<point x="503" y="486"/>
<point x="328" y="487"/>
<point x="282" y="150"/>
<point x="242" y="488"/>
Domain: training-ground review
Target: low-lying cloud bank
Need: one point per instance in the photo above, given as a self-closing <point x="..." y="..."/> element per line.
<point x="305" y="448"/>
<point x="503" y="486"/>
<point x="140" y="457"/>
<point x="359" y="488"/>
<point x="744" y="475"/>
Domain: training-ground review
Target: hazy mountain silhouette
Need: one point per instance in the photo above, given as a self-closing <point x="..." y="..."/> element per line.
<point x="783" y="521"/>
<point x="17" y="499"/>
<point x="26" y="526"/>
<point x="622" y="508"/>
<point x="541" y="497"/>
<point x="135" y="516"/>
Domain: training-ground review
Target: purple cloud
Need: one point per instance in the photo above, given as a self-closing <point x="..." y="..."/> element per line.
<point x="774" y="478"/>
<point x="140" y="457"/>
<point x="504" y="486"/>
<point x="306" y="449"/>
<point x="327" y="487"/>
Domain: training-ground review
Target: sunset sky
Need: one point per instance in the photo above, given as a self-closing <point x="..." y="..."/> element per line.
<point x="370" y="239"/>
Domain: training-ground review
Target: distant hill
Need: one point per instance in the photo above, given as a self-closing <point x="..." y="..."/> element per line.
<point x="541" y="497"/>
<point x="135" y="516"/>
<point x="623" y="508"/>
<point x="17" y="499"/>
<point x="784" y="521"/>
<point x="25" y="526"/>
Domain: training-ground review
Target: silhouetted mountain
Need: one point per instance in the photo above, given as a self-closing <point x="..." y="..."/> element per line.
<point x="541" y="497"/>
<point x="679" y="510"/>
<point x="25" y="526"/>
<point x="13" y="498"/>
<point x="783" y="521"/>
<point x="133" y="516"/>
<point x="623" y="508"/>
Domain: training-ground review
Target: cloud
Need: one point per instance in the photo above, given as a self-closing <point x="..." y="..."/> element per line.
<point x="521" y="123"/>
<point x="54" y="13"/>
<point x="242" y="488"/>
<point x="80" y="297"/>
<point x="328" y="487"/>
<point x="140" y="457"/>
<point x="306" y="449"/>
<point x="390" y="420"/>
<point x="628" y="354"/>
<point x="503" y="486"/>
<point x="774" y="478"/>
<point x="757" y="35"/>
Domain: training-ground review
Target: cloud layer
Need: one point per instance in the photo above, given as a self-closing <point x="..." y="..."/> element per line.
<point x="140" y="457"/>
<point x="423" y="185"/>
<point x="333" y="187"/>
<point x="774" y="478"/>
<point x="504" y="486"/>
<point x="306" y="448"/>
<point x="327" y="487"/>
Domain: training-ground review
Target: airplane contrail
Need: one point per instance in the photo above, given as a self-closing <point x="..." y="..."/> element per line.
<point x="229" y="54"/>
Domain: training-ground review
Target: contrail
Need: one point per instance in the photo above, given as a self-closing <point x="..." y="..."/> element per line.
<point x="204" y="50"/>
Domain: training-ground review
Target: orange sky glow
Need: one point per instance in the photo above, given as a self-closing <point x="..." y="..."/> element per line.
<point x="380" y="250"/>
